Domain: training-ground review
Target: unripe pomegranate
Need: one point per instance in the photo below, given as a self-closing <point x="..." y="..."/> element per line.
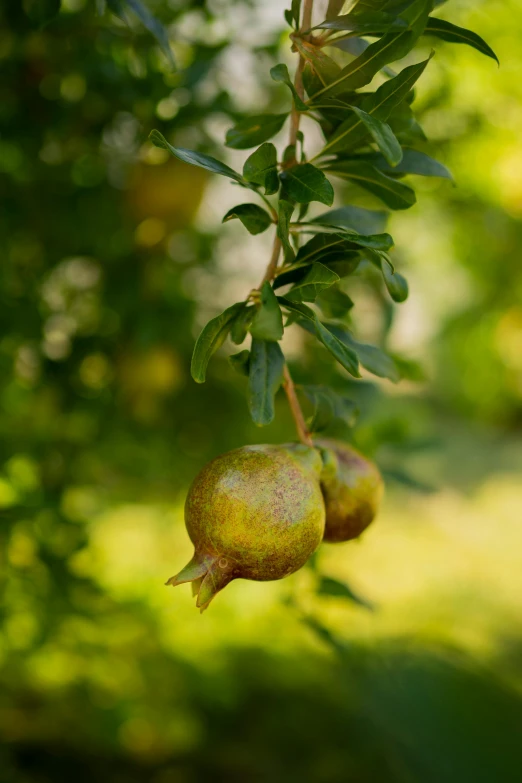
<point x="352" y="489"/>
<point x="253" y="513"/>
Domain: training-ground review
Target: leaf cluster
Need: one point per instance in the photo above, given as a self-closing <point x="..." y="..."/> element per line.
<point x="371" y="139"/>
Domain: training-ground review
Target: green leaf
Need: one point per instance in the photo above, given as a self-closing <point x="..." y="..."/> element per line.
<point x="415" y="162"/>
<point x="261" y="168"/>
<point x="316" y="280"/>
<point x="389" y="48"/>
<point x="334" y="302"/>
<point x="352" y="132"/>
<point x="241" y="324"/>
<point x="265" y="377"/>
<point x="372" y="22"/>
<point x="334" y="8"/>
<point x="305" y="183"/>
<point x="279" y="73"/>
<point x="336" y="589"/>
<point x="335" y="244"/>
<point x="396" y="284"/>
<point x="447" y="31"/>
<point x="283" y="225"/>
<point x="403" y="123"/>
<point x="323" y="69"/>
<point x="268" y="321"/>
<point x="254" y="130"/>
<point x="344" y="355"/>
<point x="296" y="12"/>
<point x="391" y="93"/>
<point x="394" y="194"/>
<point x="241" y="362"/>
<point x="329" y="406"/>
<point x="409" y="369"/>
<point x="155" y="27"/>
<point x="364" y="221"/>
<point x="254" y="218"/>
<point x="311" y="81"/>
<point x="195" y="158"/>
<point x="383" y="136"/>
<point x="371" y="357"/>
<point x="211" y="338"/>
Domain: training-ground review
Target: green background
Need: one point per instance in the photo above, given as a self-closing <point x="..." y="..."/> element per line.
<point x="112" y="259"/>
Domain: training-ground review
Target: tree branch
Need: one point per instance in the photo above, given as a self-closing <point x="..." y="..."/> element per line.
<point x="295" y="119"/>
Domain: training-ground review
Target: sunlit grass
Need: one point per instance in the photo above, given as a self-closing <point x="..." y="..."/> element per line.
<point x="441" y="568"/>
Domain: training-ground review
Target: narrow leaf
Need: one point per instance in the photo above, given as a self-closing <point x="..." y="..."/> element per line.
<point x="447" y="31"/>
<point x="352" y="132"/>
<point x="336" y="244"/>
<point x="265" y="377"/>
<point x="254" y="130"/>
<point x="334" y="8"/>
<point x="279" y="73"/>
<point x="372" y="22"/>
<point x="296" y="12"/>
<point x="283" y="224"/>
<point x="389" y="48"/>
<point x="383" y="136"/>
<point x="370" y="356"/>
<point x="394" y="194"/>
<point x="364" y="221"/>
<point x="324" y="70"/>
<point x="415" y="162"/>
<point x="210" y="339"/>
<point x="155" y="27"/>
<point x="254" y="218"/>
<point x="195" y="158"/>
<point x="344" y="355"/>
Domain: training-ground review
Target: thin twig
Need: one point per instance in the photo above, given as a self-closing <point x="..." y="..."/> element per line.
<point x="272" y="264"/>
<point x="297" y="413"/>
<point x="288" y="384"/>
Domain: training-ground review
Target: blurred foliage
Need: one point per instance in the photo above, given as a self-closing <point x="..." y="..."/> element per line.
<point x="110" y="264"/>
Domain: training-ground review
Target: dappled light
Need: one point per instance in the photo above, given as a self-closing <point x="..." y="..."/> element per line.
<point x="395" y="657"/>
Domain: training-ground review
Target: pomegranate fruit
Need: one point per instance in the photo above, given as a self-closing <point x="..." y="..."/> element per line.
<point x="352" y="489"/>
<point x="253" y="513"/>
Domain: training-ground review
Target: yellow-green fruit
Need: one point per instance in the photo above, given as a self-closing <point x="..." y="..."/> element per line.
<point x="253" y="513"/>
<point x="352" y="488"/>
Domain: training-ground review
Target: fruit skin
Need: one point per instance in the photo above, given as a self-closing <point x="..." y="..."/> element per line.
<point x="253" y="513"/>
<point x="352" y="488"/>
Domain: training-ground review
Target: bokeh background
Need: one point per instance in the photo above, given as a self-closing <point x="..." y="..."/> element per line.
<point x="112" y="259"/>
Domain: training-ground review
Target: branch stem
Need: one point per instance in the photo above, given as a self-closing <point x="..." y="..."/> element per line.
<point x="295" y="118"/>
<point x="297" y="413"/>
<point x="272" y="264"/>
